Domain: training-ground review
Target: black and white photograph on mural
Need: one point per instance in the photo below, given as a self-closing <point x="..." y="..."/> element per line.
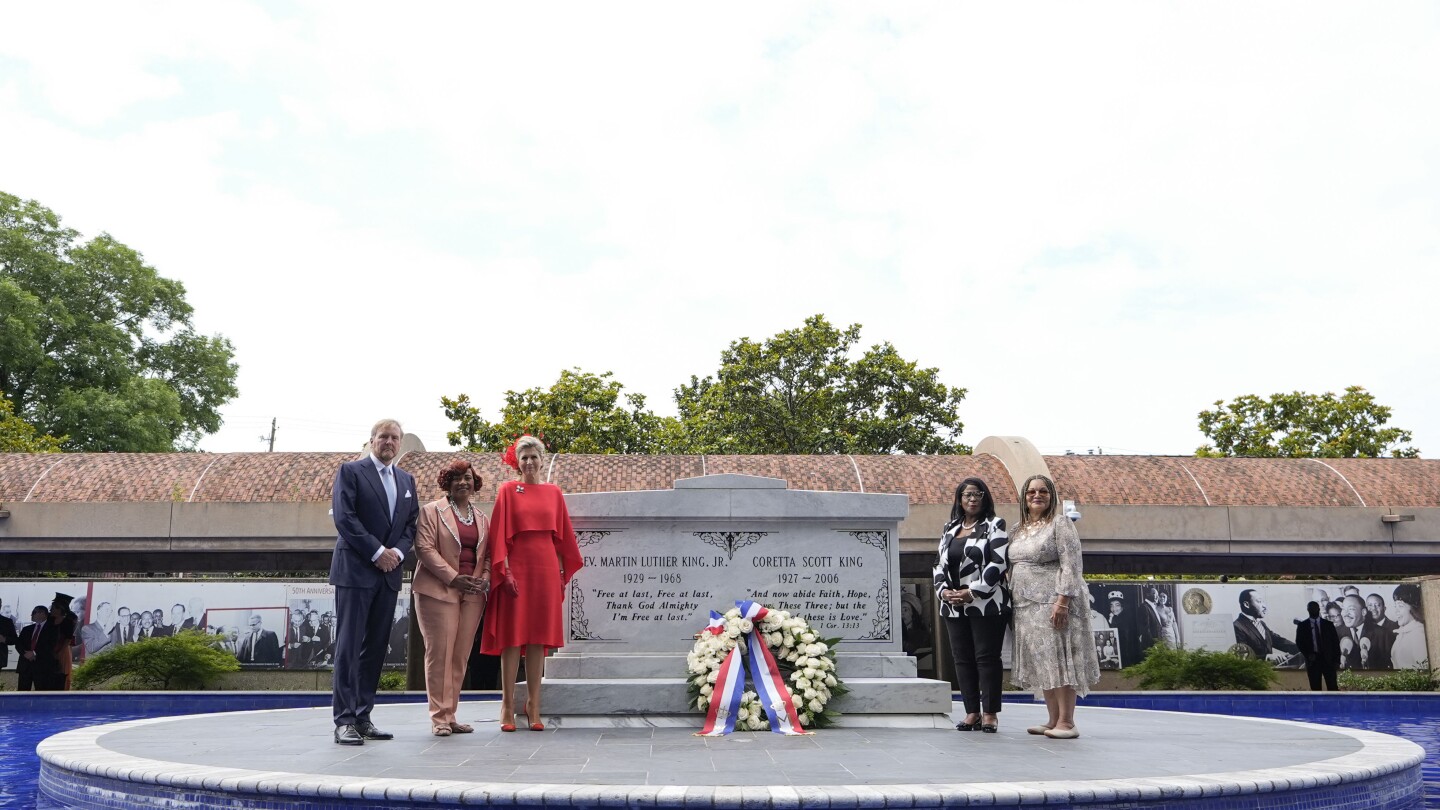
<point x="1381" y="624"/>
<point x="252" y="634"/>
<point x="1139" y="614"/>
<point x="399" y="629"/>
<point x="1107" y="648"/>
<point x="310" y="633"/>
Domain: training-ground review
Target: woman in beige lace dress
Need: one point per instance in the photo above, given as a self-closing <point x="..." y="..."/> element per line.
<point x="1054" y="646"/>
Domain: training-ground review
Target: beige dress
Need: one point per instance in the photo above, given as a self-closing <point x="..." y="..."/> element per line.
<point x="1045" y="563"/>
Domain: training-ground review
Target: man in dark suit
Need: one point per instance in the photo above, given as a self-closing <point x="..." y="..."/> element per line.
<point x="1320" y="644"/>
<point x="1361" y="646"/>
<point x="1252" y="631"/>
<point x="1151" y="628"/>
<point x="375" y="508"/>
<point x="8" y="635"/>
<point x="259" y="646"/>
<point x="37" y="665"/>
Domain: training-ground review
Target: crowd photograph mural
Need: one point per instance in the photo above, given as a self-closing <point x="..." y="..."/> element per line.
<point x="1380" y="624"/>
<point x="266" y="624"/>
<point x="291" y="625"/>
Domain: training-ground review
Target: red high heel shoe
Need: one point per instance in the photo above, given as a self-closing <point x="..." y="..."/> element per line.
<point x="534" y="726"/>
<point x="510" y="726"/>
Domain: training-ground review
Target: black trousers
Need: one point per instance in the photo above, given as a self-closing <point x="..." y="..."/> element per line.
<point x="975" y="645"/>
<point x="1315" y="669"/>
<point x="362" y="634"/>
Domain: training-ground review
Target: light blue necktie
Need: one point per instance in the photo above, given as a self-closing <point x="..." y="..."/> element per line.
<point x="388" y="478"/>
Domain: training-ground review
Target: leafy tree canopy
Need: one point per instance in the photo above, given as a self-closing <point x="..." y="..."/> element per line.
<point x="1301" y="425"/>
<point x="801" y="392"/>
<point x="19" y="436"/>
<point x="580" y="413"/>
<point x="798" y="392"/>
<point x="96" y="346"/>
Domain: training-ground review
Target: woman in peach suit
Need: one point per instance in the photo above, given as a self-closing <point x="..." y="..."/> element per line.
<point x="451" y="585"/>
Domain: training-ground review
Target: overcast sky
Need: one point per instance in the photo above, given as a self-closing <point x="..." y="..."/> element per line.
<point x="1099" y="219"/>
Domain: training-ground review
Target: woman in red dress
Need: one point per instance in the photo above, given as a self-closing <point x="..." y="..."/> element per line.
<point x="533" y="554"/>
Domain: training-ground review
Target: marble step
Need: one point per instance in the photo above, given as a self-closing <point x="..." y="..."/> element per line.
<point x="580" y="697"/>
<point x="667" y="665"/>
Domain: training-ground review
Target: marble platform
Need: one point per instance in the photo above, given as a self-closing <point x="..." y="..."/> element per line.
<point x="1126" y="758"/>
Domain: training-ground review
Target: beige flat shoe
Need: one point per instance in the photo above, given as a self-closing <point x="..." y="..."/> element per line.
<point x="440" y="731"/>
<point x="1065" y="734"/>
<point x="1037" y="730"/>
<point x="461" y="728"/>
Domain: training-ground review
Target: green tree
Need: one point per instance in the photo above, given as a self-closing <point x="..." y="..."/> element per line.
<point x="96" y="346"/>
<point x="189" y="659"/>
<point x="1301" y="425"/>
<point x="580" y="413"/>
<point x="19" y="436"/>
<point x="800" y="392"/>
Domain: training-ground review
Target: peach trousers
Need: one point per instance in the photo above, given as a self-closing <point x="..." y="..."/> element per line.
<point x="449" y="632"/>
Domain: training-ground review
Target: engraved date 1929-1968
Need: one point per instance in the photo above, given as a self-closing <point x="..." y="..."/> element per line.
<point x="640" y="578"/>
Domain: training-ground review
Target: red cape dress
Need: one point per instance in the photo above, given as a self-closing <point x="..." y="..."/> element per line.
<point x="529" y="527"/>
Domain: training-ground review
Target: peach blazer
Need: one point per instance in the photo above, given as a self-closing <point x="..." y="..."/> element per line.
<point x="437" y="544"/>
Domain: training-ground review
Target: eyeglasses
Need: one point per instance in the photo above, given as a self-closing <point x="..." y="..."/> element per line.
<point x="973" y="496"/>
<point x="1034" y="492"/>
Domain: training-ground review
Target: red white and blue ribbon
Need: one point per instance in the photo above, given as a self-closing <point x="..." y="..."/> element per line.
<point x="770" y="686"/>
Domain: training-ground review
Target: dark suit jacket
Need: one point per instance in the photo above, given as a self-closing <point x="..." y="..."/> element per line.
<point x="45" y="661"/>
<point x="364" y="525"/>
<point x="1262" y="643"/>
<point x="1328" y="656"/>
<point x="266" y="650"/>
<point x="7" y="630"/>
<point x="1150" y="628"/>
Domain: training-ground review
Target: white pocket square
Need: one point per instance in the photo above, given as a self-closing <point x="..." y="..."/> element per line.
<point x="407" y="493"/>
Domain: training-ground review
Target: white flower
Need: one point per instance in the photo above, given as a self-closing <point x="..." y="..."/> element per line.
<point x="802" y="682"/>
<point x="830" y="680"/>
<point x="733" y="631"/>
<point x="706" y="689"/>
<point x="811" y="693"/>
<point x="755" y="723"/>
<point x="713" y="676"/>
<point x="773" y="639"/>
<point x="746" y="625"/>
<point x="732" y="613"/>
<point x="824" y="648"/>
<point x="801" y="661"/>
<point x="702" y="703"/>
<point x="791" y="656"/>
<point x="808" y="638"/>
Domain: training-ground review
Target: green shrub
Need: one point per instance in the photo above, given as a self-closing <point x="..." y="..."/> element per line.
<point x="392" y="681"/>
<point x="1417" y="679"/>
<point x="1168" y="668"/>
<point x="189" y="659"/>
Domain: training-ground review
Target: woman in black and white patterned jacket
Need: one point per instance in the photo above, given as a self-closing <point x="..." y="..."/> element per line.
<point x="974" y="600"/>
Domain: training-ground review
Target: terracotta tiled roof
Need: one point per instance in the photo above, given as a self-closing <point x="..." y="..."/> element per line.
<point x="932" y="479"/>
<point x="1105" y="480"/>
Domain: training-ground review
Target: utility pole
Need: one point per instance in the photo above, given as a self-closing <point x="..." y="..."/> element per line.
<point x="271" y="438"/>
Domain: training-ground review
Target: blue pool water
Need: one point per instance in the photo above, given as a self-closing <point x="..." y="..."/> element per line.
<point x="22" y="726"/>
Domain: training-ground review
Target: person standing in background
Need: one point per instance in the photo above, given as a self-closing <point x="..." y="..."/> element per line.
<point x="8" y="635"/>
<point x="1320" y="644"/>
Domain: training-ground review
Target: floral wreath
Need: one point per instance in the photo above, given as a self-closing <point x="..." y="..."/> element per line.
<point x="805" y="660"/>
<point x="509" y="457"/>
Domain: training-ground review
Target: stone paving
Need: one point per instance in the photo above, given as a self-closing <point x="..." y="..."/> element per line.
<point x="1120" y="750"/>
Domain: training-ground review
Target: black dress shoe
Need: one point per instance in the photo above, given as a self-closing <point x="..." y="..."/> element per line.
<point x="347" y="735"/>
<point x="368" y="730"/>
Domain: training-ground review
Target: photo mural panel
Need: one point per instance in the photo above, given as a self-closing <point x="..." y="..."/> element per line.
<point x="1127" y="618"/>
<point x="1381" y="624"/>
<point x="255" y="620"/>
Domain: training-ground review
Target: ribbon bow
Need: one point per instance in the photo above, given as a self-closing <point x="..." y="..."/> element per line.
<point x="764" y="673"/>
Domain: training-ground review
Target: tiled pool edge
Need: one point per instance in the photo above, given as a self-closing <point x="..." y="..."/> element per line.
<point x="75" y="769"/>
